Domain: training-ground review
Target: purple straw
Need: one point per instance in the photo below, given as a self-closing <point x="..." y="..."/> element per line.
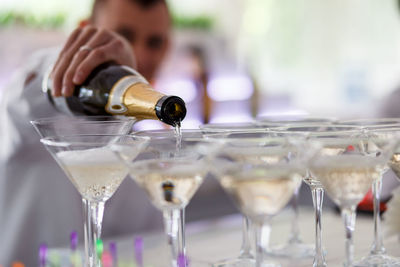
<point x="182" y="260"/>
<point x="74" y="240"/>
<point x="113" y="251"/>
<point x="42" y="254"/>
<point x="139" y="251"/>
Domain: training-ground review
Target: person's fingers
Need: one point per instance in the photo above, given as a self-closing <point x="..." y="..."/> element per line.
<point x="56" y="90"/>
<point x="67" y="83"/>
<point x="73" y="36"/>
<point x="97" y="57"/>
<point x="98" y="40"/>
<point x="107" y="52"/>
<point x="66" y="57"/>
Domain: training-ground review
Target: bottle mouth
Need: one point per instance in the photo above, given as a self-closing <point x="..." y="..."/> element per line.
<point x="171" y="110"/>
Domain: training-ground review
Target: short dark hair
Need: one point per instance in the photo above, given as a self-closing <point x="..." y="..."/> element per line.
<point x="142" y="3"/>
<point x="147" y="3"/>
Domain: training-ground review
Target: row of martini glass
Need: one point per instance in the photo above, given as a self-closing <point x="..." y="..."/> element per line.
<point x="261" y="165"/>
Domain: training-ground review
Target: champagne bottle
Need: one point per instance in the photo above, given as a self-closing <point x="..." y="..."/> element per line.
<point x="118" y="90"/>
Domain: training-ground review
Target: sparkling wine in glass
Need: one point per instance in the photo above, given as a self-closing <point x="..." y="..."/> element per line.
<point x="96" y="172"/>
<point x="294" y="247"/>
<point x="255" y="147"/>
<point x="386" y="129"/>
<point x="170" y="176"/>
<point x="300" y="133"/>
<point x="221" y="129"/>
<point x="78" y="125"/>
<point x="347" y="176"/>
<point x="260" y="191"/>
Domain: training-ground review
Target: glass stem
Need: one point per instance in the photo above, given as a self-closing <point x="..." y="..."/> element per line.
<point x="295" y="231"/>
<point x="245" y="250"/>
<point x="318" y="198"/>
<point x="262" y="232"/>
<point x="349" y="219"/>
<point x="89" y="254"/>
<point x="93" y="216"/>
<point x="174" y="228"/>
<point x="377" y="245"/>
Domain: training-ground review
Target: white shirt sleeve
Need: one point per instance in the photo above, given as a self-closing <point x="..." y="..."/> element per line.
<point x="22" y="101"/>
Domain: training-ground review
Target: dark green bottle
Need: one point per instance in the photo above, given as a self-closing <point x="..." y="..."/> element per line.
<point x="119" y="90"/>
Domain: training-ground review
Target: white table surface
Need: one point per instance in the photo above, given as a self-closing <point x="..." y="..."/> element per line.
<point x="217" y="239"/>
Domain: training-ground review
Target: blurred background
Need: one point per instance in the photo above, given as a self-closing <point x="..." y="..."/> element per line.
<point x="232" y="60"/>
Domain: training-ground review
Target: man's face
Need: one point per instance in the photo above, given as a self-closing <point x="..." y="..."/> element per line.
<point x="146" y="29"/>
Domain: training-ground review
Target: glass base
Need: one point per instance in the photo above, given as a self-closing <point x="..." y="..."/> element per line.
<point x="298" y="250"/>
<point x="378" y="260"/>
<point x="238" y="262"/>
<point x="198" y="263"/>
<point x="241" y="262"/>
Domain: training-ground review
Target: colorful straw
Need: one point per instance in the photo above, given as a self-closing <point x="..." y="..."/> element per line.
<point x="182" y="261"/>
<point x="43" y="255"/>
<point x="99" y="248"/>
<point x="139" y="251"/>
<point x="17" y="264"/>
<point x="107" y="259"/>
<point x="73" y="240"/>
<point x="113" y="250"/>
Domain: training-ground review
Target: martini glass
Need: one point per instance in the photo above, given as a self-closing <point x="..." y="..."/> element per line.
<point x="294" y="247"/>
<point x="75" y="125"/>
<point x="220" y="131"/>
<point x="309" y="131"/>
<point x="385" y="128"/>
<point x="261" y="176"/>
<point x="170" y="173"/>
<point x="65" y="125"/>
<point x="96" y="172"/>
<point x="347" y="167"/>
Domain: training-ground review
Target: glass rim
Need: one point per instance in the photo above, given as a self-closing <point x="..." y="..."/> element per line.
<point x="383" y="128"/>
<point x="340" y="129"/>
<point x="217" y="124"/>
<point x="169" y="134"/>
<point x="55" y="141"/>
<point x="81" y="119"/>
<point x="218" y="136"/>
<point x="359" y="122"/>
<point x="308" y="120"/>
<point x="235" y="126"/>
<point x="295" y="117"/>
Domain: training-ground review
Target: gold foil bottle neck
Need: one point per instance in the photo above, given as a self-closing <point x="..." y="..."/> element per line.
<point x="140" y="100"/>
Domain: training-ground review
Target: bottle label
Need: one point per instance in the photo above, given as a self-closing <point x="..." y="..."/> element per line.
<point x="115" y="104"/>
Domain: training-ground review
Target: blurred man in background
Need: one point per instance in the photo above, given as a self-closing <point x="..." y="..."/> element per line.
<point x="37" y="202"/>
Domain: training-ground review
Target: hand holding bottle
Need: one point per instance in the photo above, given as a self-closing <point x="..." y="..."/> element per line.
<point x="86" y="48"/>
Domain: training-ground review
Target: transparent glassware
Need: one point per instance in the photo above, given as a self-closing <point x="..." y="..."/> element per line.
<point x="377" y="255"/>
<point x="96" y="172"/>
<point x="295" y="247"/>
<point x="308" y="131"/>
<point x="346" y="168"/>
<point x="261" y="179"/>
<point x="75" y="125"/>
<point x="68" y="125"/>
<point x="220" y="130"/>
<point x="170" y="173"/>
